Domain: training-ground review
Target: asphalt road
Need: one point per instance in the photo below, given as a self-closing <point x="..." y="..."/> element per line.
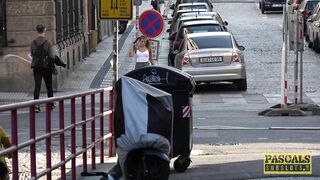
<point x="229" y="136"/>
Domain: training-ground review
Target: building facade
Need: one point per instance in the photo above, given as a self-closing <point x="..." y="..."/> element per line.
<point x="72" y="27"/>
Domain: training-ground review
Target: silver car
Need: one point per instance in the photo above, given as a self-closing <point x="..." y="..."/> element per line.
<point x="309" y="24"/>
<point x="212" y="56"/>
<point x="193" y="6"/>
<point x="214" y="16"/>
<point x="313" y="26"/>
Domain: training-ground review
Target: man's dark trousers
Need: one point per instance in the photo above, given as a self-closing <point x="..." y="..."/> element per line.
<point x="46" y="74"/>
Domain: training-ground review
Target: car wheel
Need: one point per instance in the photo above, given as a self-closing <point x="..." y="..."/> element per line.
<point x="241" y="84"/>
<point x="263" y="8"/>
<point x="310" y="44"/>
<point x="307" y="38"/>
<point x="316" y="44"/>
<point x="259" y="5"/>
<point x="170" y="59"/>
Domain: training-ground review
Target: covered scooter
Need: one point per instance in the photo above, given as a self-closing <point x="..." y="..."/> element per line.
<point x="143" y="122"/>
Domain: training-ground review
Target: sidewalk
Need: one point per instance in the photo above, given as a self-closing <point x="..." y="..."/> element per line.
<point x="95" y="71"/>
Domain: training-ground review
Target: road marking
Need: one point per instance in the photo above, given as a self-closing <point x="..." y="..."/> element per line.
<point x="306" y="138"/>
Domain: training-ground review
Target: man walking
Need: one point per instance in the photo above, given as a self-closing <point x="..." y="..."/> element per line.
<point x="42" y="63"/>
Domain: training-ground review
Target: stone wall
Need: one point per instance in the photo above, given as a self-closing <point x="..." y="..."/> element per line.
<point x="22" y="17"/>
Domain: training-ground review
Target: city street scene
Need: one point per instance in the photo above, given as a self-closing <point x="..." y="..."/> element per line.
<point x="160" y="89"/>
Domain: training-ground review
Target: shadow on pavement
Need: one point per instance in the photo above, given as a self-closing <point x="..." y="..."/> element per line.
<point x="251" y="169"/>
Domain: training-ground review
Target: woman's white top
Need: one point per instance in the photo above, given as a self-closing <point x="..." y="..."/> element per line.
<point x="142" y="56"/>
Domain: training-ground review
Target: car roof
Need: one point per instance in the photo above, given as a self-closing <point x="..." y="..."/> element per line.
<point x="192" y="10"/>
<point x="197" y="17"/>
<point x="196" y="22"/>
<point x="204" y="34"/>
<point x="200" y="13"/>
<point x="191" y="4"/>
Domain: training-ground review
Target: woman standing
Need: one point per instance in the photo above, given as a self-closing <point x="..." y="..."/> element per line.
<point x="142" y="52"/>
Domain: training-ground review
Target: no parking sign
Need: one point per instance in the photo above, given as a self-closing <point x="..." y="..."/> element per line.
<point x="151" y="23"/>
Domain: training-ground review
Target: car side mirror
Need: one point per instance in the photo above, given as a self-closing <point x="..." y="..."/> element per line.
<point x="241" y="48"/>
<point x="226" y="23"/>
<point x="169" y="22"/>
<point x="168" y="30"/>
<point x="172" y="6"/>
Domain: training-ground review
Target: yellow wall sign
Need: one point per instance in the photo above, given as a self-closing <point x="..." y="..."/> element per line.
<point x="115" y="9"/>
<point x="287" y="163"/>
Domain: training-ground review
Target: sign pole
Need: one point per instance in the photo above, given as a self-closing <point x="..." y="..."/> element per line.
<point x="137" y="21"/>
<point x="296" y="59"/>
<point x="301" y="57"/>
<point x="284" y="69"/>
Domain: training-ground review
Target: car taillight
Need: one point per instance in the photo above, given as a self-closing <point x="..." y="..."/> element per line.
<point x="185" y="60"/>
<point x="177" y="44"/>
<point x="236" y="58"/>
<point x="304" y="13"/>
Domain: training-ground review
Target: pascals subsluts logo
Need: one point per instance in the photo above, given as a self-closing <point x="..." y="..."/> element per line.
<point x="288" y="163"/>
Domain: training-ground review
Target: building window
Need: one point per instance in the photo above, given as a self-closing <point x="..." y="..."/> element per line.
<point x="59" y="29"/>
<point x="69" y="18"/>
<point x="3" y="23"/>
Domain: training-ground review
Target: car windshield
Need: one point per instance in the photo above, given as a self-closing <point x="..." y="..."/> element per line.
<point x="193" y="7"/>
<point x="205" y="42"/>
<point x="188" y="20"/>
<point x="193" y="1"/>
<point x="203" y="28"/>
<point x="311" y="5"/>
<point x="197" y="14"/>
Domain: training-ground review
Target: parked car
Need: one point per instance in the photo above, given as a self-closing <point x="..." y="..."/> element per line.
<point x="179" y="13"/>
<point x="309" y="23"/>
<point x="314" y="34"/>
<point x="193" y="16"/>
<point x="199" y="16"/>
<point x="305" y="8"/>
<point x="212" y="56"/>
<point x="181" y="20"/>
<point x="194" y="26"/>
<point x="268" y="5"/>
<point x="316" y="40"/>
<point x="193" y="6"/>
<point x="294" y="3"/>
<point x="209" y="2"/>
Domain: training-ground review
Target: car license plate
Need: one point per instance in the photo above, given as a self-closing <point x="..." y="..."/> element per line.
<point x="214" y="59"/>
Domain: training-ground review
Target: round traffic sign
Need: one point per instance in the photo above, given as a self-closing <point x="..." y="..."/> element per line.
<point x="151" y="23"/>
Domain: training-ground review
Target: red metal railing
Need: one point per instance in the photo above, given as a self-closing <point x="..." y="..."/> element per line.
<point x="61" y="132"/>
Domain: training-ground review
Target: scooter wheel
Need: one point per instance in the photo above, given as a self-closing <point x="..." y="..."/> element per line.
<point x="181" y="163"/>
